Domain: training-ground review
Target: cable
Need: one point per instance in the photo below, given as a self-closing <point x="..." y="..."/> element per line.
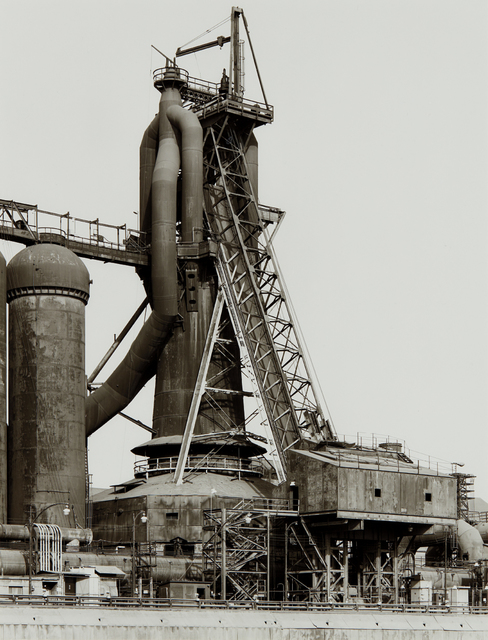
<point x="205" y="32"/>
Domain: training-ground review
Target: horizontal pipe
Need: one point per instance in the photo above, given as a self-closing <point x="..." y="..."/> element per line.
<point x="14" y="562"/>
<point x="482" y="527"/>
<point x="21" y="532"/>
<point x="439" y="579"/>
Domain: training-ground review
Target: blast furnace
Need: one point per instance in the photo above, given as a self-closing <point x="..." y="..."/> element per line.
<point x="244" y="489"/>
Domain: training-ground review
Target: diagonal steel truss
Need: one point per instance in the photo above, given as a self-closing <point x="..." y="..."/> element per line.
<point x="256" y="299"/>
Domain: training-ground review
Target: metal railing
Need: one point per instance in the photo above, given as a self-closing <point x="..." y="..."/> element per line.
<point x="266" y="504"/>
<point x="179" y="603"/>
<point x="199" y="463"/>
<point x="240" y="106"/>
<point x="43" y="225"/>
<point x="169" y="73"/>
<point x="374" y="446"/>
<point x="478" y="516"/>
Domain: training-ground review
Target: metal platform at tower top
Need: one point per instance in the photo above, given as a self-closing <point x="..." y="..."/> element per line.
<point x="208" y="99"/>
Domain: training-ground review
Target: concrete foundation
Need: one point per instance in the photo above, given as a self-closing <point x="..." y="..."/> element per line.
<point x="33" y="623"/>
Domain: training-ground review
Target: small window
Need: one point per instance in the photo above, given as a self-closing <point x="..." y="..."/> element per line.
<point x="428" y="497"/>
<point x="172" y="516"/>
<point x="377" y="493"/>
<point x="15" y="590"/>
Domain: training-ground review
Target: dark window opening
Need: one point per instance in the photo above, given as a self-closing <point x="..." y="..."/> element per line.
<point x="428" y="497"/>
<point x="172" y="516"/>
<point x="294" y="497"/>
<point x="377" y="493"/>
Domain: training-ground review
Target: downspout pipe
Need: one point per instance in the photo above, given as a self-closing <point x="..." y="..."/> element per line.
<point x="135" y="370"/>
<point x="147" y="159"/>
<point x="164" y="275"/>
<point x="191" y="170"/>
<point x="138" y="366"/>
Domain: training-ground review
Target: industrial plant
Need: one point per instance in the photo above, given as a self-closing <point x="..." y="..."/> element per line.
<point x="242" y="491"/>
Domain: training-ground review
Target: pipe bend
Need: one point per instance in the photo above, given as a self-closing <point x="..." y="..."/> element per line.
<point x="184" y="119"/>
<point x="191" y="170"/>
<point x="131" y="375"/>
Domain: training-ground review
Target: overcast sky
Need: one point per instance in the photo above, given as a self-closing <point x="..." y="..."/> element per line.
<point x="378" y="154"/>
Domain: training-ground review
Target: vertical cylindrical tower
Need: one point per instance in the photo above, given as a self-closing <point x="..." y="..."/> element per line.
<point x="47" y="290"/>
<point x="179" y="363"/>
<point x="194" y="284"/>
<point x="3" y="390"/>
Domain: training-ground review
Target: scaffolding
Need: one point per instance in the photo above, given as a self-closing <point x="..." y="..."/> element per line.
<point x="238" y="554"/>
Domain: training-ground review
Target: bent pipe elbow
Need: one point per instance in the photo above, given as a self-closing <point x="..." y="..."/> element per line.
<point x="191" y="170"/>
<point x="135" y="370"/>
<point x="469" y="541"/>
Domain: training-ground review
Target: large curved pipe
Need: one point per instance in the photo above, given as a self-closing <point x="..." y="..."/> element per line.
<point x="147" y="159"/>
<point x="191" y="170"/>
<point x="470" y="541"/>
<point x="135" y="370"/>
<point x="139" y="364"/>
<point x="164" y="276"/>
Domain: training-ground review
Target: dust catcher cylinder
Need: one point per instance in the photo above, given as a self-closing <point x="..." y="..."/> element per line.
<point x="47" y="290"/>
<point x="3" y="389"/>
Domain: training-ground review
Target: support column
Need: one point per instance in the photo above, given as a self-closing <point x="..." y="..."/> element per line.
<point x="3" y="390"/>
<point x="268" y="558"/>
<point x="378" y="571"/>
<point x="327" y="560"/>
<point x="223" y="573"/>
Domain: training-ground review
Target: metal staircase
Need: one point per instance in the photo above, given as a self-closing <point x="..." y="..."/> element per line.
<point x="236" y="553"/>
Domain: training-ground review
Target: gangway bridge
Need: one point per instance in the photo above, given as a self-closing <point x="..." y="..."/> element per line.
<point x="28" y="225"/>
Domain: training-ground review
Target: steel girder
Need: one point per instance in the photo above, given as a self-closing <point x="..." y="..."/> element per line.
<point x="256" y="298"/>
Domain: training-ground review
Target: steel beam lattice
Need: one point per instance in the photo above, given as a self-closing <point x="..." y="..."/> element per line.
<point x="255" y="296"/>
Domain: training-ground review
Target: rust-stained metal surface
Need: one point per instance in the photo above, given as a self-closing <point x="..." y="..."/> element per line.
<point x="172" y="510"/>
<point x="3" y="390"/>
<point x="48" y="288"/>
<point x="404" y="491"/>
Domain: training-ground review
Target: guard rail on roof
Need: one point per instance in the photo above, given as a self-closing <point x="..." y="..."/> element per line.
<point x="154" y="466"/>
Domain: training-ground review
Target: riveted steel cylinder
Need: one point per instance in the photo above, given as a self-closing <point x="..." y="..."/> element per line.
<point x="3" y="390"/>
<point x="47" y="290"/>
